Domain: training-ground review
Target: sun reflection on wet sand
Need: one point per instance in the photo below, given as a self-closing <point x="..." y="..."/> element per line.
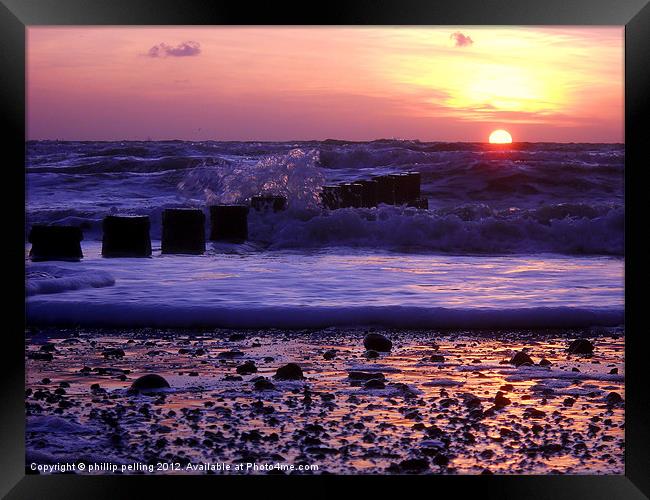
<point x="437" y="403"/>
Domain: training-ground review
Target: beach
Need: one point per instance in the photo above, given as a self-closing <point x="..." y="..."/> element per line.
<point x="431" y="405"/>
<point x="519" y="254"/>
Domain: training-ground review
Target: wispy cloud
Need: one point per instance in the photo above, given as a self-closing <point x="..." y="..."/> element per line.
<point x="184" y="49"/>
<point x="461" y="40"/>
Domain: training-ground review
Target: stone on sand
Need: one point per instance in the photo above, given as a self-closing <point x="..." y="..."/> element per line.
<point x="581" y="346"/>
<point x="149" y="382"/>
<point x="520" y="358"/>
<point x="262" y="384"/>
<point x="290" y="371"/>
<point x="377" y="342"/>
<point x="613" y="398"/>
<point x="500" y="400"/>
<point x="329" y="354"/>
<point x="246" y="368"/>
<point x="40" y="356"/>
<point x="375" y="383"/>
<point x="414" y="465"/>
<point x="113" y="352"/>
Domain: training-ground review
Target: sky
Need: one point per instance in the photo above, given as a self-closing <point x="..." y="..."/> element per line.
<point x="445" y="83"/>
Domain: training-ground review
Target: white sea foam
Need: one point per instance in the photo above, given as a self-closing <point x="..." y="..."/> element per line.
<point x="47" y="279"/>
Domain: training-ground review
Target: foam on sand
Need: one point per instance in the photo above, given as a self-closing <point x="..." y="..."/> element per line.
<point x="47" y="279"/>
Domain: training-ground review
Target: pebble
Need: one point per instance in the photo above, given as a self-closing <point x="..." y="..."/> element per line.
<point x="290" y="371"/>
<point x="263" y="384"/>
<point x="500" y="400"/>
<point x="329" y="354"/>
<point x="246" y="368"/>
<point x="40" y="356"/>
<point x="414" y="465"/>
<point x="230" y="354"/>
<point x="613" y="398"/>
<point x="520" y="358"/>
<point x="534" y="413"/>
<point x="48" y="347"/>
<point x="377" y="342"/>
<point x="149" y="382"/>
<point x="581" y="346"/>
<point x="375" y="384"/>
<point x="113" y="353"/>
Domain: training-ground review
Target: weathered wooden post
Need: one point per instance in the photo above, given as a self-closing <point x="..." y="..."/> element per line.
<point x="55" y="243"/>
<point x="229" y="223"/>
<point x="126" y="236"/>
<point x="183" y="231"/>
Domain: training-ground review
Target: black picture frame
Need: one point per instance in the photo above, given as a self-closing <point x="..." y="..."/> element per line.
<point x="16" y="15"/>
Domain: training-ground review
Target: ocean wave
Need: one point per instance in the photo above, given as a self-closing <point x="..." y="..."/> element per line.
<point x="566" y="230"/>
<point x="565" y="198"/>
<point x="195" y="316"/>
<point x="572" y="228"/>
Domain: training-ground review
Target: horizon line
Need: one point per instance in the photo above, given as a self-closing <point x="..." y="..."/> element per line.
<point x="321" y="140"/>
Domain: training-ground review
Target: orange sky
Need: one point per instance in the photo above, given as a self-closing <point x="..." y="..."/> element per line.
<point x="443" y="83"/>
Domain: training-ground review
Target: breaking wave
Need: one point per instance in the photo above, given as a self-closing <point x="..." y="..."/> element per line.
<point x="564" y="198"/>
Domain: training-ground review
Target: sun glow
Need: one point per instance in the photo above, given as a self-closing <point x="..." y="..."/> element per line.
<point x="359" y="83"/>
<point x="500" y="137"/>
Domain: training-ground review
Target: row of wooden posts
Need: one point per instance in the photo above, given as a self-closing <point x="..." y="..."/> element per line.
<point x="183" y="229"/>
<point x="391" y="189"/>
<point x="183" y="232"/>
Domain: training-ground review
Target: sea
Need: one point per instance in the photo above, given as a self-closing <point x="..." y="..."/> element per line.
<point x="530" y="235"/>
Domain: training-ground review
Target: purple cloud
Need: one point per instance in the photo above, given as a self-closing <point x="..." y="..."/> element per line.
<point x="461" y="40"/>
<point x="183" y="49"/>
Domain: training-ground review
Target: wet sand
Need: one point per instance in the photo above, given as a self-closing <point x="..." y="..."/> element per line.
<point x="428" y="406"/>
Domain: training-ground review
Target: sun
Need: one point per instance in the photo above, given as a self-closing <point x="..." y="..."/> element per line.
<point x="500" y="137"/>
